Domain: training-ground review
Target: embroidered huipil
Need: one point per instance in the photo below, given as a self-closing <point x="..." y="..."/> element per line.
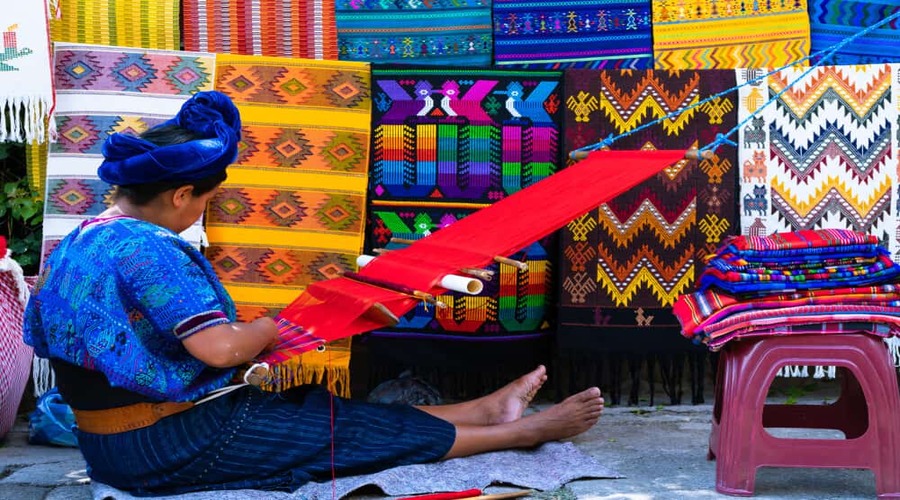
<point x="118" y="295"/>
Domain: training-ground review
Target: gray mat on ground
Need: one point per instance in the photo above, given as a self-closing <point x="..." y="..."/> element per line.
<point x="545" y="468"/>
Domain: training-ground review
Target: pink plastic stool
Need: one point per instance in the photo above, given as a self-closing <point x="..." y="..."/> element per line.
<point x="867" y="411"/>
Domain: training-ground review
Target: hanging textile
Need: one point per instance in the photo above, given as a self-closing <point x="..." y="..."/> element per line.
<point x="36" y="166"/>
<point x="834" y="21"/>
<point x="824" y="154"/>
<point x="287" y="28"/>
<point x="706" y="34"/>
<point x="624" y="264"/>
<point x="103" y="90"/>
<point x="440" y="32"/>
<point x="446" y="143"/>
<point x="556" y="34"/>
<point x="292" y="210"/>
<point x="149" y="24"/>
<point x="26" y="94"/>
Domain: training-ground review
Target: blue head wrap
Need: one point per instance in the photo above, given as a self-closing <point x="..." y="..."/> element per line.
<point x="210" y="115"/>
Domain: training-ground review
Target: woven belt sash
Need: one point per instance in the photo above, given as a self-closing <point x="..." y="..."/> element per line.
<point x="126" y="418"/>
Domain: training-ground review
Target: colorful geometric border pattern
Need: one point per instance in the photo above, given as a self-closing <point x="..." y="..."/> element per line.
<point x="835" y="21"/>
<point x="709" y="34"/>
<point x="824" y="154"/>
<point x="292" y="210"/>
<point x="558" y="34"/>
<point x="435" y="32"/>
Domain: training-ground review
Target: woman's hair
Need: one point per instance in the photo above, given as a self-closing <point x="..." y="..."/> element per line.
<point x="167" y="135"/>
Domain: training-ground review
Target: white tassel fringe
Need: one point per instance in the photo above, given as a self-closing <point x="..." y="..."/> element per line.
<point x="25" y="119"/>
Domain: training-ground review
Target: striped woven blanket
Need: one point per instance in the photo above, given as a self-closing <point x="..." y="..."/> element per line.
<point x="287" y="28"/>
<point x="698" y="310"/>
<point x="706" y="34"/>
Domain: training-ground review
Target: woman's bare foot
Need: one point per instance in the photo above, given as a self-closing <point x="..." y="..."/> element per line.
<point x="508" y="403"/>
<point x="574" y="415"/>
<point x="502" y="406"/>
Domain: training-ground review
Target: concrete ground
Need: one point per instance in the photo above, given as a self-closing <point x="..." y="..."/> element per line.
<point x="661" y="450"/>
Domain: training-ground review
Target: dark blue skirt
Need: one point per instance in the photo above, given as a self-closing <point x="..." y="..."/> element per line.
<point x="268" y="441"/>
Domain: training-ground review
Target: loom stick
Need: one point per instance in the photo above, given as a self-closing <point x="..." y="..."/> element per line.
<point x="696" y="154"/>
<point x="394" y="287"/>
<point x="499" y="496"/>
<point x="485" y="274"/>
<point x="454" y="282"/>
<point x="690" y="154"/>
<point x="381" y="314"/>
<point x="522" y="266"/>
<point x="447" y="495"/>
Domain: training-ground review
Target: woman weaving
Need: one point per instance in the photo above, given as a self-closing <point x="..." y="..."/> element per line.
<point x="139" y="329"/>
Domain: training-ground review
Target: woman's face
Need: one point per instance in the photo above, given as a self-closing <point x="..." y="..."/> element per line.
<point x="192" y="209"/>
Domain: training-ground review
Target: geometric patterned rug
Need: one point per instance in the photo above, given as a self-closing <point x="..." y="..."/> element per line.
<point x="292" y="211"/>
<point x="103" y="90"/>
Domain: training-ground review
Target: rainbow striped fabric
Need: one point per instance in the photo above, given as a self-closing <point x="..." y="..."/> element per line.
<point x="434" y="32"/>
<point x="557" y="34"/>
<point x="709" y="34"/>
<point x="287" y="28"/>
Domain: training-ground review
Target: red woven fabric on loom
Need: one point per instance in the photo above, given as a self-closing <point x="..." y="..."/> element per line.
<point x="336" y="308"/>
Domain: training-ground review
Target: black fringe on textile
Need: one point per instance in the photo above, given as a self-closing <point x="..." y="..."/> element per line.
<point x="642" y="377"/>
<point x="460" y="368"/>
<point x="614" y="360"/>
<point x="463" y="368"/>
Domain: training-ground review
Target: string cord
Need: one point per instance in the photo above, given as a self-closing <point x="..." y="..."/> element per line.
<point x="825" y="54"/>
<point x="331" y="402"/>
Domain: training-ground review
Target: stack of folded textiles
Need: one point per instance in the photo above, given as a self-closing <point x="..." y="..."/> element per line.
<point x="801" y="282"/>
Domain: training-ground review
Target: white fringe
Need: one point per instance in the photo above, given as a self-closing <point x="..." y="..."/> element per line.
<point x="893" y="345"/>
<point x="793" y="371"/>
<point x="25" y="119"/>
<point x="829" y="372"/>
<point x="41" y="373"/>
<point x="8" y="264"/>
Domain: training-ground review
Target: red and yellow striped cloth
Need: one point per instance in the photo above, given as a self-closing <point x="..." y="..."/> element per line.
<point x="287" y="28"/>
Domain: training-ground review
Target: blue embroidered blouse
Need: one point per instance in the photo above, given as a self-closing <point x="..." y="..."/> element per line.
<point x="118" y="295"/>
